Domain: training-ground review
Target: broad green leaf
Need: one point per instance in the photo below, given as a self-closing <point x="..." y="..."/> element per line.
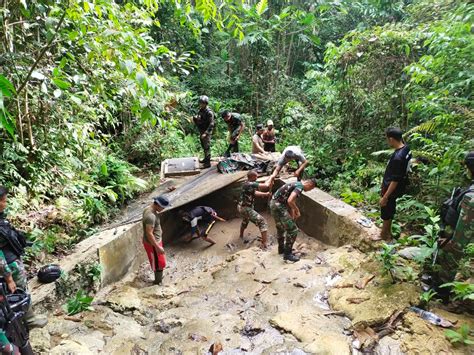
<point x="61" y="84"/>
<point x="7" y="123"/>
<point x="6" y="86"/>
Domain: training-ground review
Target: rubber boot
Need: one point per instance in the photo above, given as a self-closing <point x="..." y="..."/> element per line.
<point x="281" y="246"/>
<point x="205" y="164"/>
<point x="158" y="277"/>
<point x="35" y="320"/>
<point x="289" y="256"/>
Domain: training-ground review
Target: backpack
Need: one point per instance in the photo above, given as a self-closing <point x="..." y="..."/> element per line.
<point x="450" y="208"/>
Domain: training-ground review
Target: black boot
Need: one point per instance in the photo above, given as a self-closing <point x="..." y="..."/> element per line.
<point x="158" y="277"/>
<point x="205" y="164"/>
<point x="281" y="247"/>
<point x="289" y="256"/>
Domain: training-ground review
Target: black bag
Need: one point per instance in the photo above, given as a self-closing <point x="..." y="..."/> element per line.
<point x="450" y="208"/>
<point x="15" y="239"/>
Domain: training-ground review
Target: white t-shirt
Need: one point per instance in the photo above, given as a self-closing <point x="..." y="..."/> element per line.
<point x="293" y="152"/>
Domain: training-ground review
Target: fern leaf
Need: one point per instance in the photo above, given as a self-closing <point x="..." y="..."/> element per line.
<point x="261" y="7"/>
<point x="425" y="127"/>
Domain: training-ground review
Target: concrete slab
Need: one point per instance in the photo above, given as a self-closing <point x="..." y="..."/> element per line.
<point x="180" y="167"/>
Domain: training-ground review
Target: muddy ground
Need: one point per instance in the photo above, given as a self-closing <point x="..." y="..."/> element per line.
<point x="246" y="300"/>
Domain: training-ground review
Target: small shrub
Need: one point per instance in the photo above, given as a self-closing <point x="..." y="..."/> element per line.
<point x="78" y="303"/>
<point x="461" y="336"/>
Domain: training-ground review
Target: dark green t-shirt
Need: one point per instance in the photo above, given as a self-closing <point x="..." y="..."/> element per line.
<point x="284" y="192"/>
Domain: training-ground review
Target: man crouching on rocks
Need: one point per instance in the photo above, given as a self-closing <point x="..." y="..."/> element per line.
<point x="152" y="236"/>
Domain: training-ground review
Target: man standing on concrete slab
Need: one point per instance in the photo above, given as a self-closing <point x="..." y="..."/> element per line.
<point x="285" y="212"/>
<point x="268" y="137"/>
<point x="257" y="142"/>
<point x="235" y="125"/>
<point x="395" y="179"/>
<point x="12" y="269"/>
<point x="152" y="236"/>
<point x="294" y="153"/>
<point x="204" y="215"/>
<point x="251" y="189"/>
<point x="205" y="122"/>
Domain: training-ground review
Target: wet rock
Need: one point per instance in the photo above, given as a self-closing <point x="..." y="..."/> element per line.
<point x="197" y="337"/>
<point x="125" y="298"/>
<point x="387" y="346"/>
<point x="40" y="340"/>
<point x="321" y="334"/>
<point x="70" y="347"/>
<point x="165" y="325"/>
<point x="251" y="330"/>
<point x="383" y="302"/>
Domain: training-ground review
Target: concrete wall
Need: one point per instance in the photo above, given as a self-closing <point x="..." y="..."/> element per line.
<point x="332" y="221"/>
<point x="123" y="254"/>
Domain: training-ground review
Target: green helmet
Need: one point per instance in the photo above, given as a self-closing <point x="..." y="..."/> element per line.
<point x="203" y="99"/>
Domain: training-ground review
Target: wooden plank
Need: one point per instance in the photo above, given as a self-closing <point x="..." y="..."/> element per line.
<point x="202" y="185"/>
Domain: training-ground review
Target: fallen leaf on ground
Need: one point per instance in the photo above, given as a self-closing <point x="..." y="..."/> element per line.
<point x="357" y="300"/>
<point x="362" y="283"/>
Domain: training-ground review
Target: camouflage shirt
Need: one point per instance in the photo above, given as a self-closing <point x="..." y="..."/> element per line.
<point x="247" y="196"/>
<point x="205" y="121"/>
<point x="464" y="232"/>
<point x="284" y="192"/>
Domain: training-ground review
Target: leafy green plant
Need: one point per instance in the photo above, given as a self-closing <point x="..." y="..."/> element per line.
<point x="462" y="290"/>
<point x="352" y="198"/>
<point x="427" y="296"/>
<point x="78" y="303"/>
<point x="429" y="241"/>
<point x="388" y="257"/>
<point x="460" y="336"/>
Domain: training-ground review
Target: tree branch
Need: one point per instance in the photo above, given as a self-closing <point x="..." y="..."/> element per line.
<point x="43" y="51"/>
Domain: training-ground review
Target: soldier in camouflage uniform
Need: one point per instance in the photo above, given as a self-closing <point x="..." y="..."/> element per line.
<point x="235" y="126"/>
<point x="452" y="253"/>
<point x="13" y="272"/>
<point x="285" y="212"/>
<point x="250" y="190"/>
<point x="205" y="122"/>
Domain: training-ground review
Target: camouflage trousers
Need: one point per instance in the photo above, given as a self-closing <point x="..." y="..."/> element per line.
<point x="206" y="146"/>
<point x="18" y="271"/>
<point x="448" y="264"/>
<point x="285" y="225"/>
<point x="248" y="214"/>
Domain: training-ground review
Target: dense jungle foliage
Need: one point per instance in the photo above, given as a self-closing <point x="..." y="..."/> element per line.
<point x="95" y="94"/>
